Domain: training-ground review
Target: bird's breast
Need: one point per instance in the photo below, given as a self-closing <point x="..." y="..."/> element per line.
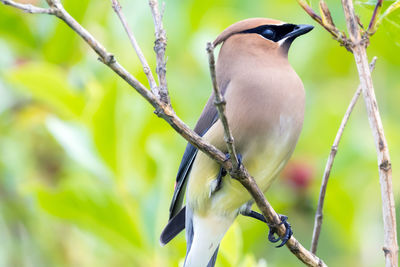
<point x="264" y="103"/>
<point x="265" y="112"/>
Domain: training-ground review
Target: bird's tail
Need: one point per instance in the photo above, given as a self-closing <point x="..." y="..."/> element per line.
<point x="203" y="236"/>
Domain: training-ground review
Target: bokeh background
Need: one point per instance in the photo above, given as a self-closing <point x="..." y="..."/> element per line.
<point x="87" y="170"/>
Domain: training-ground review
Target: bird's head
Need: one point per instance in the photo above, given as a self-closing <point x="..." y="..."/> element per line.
<point x="274" y="33"/>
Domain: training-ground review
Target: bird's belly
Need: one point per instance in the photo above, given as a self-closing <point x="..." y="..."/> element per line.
<point x="264" y="157"/>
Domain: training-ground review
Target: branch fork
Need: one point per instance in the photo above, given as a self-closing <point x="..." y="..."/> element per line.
<point x="357" y="43"/>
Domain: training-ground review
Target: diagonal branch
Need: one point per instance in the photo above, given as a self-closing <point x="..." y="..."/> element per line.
<point x="28" y="8"/>
<point x="146" y="69"/>
<point x="329" y="164"/>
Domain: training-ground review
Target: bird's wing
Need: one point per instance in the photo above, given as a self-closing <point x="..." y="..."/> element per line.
<point x="177" y="215"/>
<point x="207" y="119"/>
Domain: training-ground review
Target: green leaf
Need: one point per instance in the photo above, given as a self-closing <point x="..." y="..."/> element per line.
<point x="392" y="8"/>
<point x="103" y="125"/>
<point x="78" y="145"/>
<point x="389" y="22"/>
<point x="250" y="261"/>
<point x="64" y="45"/>
<point x="372" y="3"/>
<point x="96" y="209"/>
<point x="14" y="26"/>
<point x="47" y="84"/>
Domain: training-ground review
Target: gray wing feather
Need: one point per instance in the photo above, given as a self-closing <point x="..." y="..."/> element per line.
<point x="207" y="119"/>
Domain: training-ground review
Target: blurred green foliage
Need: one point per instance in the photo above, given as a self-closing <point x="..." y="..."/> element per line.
<point x="87" y="171"/>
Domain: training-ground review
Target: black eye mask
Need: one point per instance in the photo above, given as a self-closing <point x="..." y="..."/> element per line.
<point x="272" y="32"/>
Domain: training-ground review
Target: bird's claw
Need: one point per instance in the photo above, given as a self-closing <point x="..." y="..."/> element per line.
<point x="286" y="237"/>
<point x="272" y="228"/>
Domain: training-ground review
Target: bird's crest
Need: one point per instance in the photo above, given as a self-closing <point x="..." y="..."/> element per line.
<point x="244" y="25"/>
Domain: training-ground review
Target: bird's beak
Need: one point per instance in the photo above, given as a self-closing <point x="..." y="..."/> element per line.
<point x="298" y="30"/>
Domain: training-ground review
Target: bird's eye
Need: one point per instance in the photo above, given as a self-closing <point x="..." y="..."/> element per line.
<point x="268" y="33"/>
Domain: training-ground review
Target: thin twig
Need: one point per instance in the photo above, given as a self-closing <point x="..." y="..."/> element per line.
<point x="28" y="8"/>
<point x="165" y="111"/>
<point x="325" y="13"/>
<point x="390" y="247"/>
<point x="394" y="6"/>
<point x="220" y="105"/>
<point x="331" y="28"/>
<point x="146" y="69"/>
<point x="159" y="47"/>
<point x="329" y="164"/>
<point x="372" y="24"/>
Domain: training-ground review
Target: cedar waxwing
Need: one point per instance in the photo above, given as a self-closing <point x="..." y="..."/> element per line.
<point x="265" y="110"/>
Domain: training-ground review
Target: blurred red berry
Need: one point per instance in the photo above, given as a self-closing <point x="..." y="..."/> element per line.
<point x="298" y="174"/>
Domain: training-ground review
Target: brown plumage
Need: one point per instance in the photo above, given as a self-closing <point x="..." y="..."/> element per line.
<point x="265" y="109"/>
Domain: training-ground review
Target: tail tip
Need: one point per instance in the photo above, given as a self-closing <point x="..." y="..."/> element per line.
<point x="162" y="241"/>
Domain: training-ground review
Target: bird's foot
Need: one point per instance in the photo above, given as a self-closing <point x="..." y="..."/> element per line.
<point x="272" y="228"/>
<point x="286" y="237"/>
<point x="253" y="214"/>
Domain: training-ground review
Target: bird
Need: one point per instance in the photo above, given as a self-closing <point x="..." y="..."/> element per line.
<point x="265" y="102"/>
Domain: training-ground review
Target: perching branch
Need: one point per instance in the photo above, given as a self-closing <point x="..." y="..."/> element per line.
<point x="273" y="219"/>
<point x="329" y="164"/>
<point x="357" y="43"/>
<point x="164" y="110"/>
